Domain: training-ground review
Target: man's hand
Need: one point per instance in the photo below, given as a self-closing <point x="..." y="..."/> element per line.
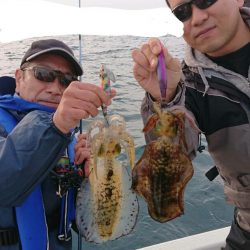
<point x="82" y="150"/>
<point x="79" y="101"/>
<point x="145" y="69"/>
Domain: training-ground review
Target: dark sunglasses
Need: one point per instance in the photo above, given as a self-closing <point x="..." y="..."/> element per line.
<point x="49" y="75"/>
<point x="184" y="11"/>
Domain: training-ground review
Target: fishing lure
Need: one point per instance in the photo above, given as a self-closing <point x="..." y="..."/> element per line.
<point x="106" y="75"/>
<point x="162" y="74"/>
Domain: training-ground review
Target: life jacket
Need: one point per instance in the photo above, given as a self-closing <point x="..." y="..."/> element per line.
<point x="32" y="226"/>
<point x="7" y="85"/>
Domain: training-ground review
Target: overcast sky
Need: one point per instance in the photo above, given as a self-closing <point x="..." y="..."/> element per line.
<point x="132" y="17"/>
<point x="123" y="4"/>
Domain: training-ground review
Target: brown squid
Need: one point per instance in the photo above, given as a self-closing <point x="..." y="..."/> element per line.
<point x="164" y="169"/>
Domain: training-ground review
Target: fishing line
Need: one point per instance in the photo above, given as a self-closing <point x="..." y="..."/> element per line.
<point x="80" y="61"/>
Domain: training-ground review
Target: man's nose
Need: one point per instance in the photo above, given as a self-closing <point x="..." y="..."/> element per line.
<point x="198" y="15"/>
<point x="55" y="87"/>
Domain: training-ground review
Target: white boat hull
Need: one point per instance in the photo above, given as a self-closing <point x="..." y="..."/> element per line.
<point x="211" y="240"/>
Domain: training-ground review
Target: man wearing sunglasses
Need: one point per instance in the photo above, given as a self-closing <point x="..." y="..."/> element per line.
<point x="37" y="127"/>
<point x="213" y="85"/>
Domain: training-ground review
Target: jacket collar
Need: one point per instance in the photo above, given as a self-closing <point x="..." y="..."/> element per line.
<point x="18" y="104"/>
<point x="201" y="64"/>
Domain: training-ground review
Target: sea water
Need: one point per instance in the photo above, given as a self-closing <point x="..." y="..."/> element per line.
<point x="205" y="208"/>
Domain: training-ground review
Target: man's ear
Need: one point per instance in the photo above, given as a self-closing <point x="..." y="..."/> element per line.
<point x="19" y="78"/>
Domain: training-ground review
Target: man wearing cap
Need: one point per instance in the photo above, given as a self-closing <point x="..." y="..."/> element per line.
<point x="37" y="126"/>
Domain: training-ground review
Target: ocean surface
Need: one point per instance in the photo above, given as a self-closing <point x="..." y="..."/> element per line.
<point x="205" y="208"/>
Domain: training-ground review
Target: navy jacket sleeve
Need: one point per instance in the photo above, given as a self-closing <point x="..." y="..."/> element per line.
<point x="27" y="155"/>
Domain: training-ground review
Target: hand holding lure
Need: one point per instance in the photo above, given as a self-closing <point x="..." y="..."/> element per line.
<point x="106" y="75"/>
<point x="162" y="74"/>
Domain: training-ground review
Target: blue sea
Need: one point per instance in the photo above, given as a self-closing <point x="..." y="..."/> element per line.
<point x="205" y="208"/>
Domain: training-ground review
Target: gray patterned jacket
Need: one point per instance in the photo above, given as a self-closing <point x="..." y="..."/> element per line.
<point x="219" y="101"/>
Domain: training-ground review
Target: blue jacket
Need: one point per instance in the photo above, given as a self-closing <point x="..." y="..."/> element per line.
<point x="27" y="155"/>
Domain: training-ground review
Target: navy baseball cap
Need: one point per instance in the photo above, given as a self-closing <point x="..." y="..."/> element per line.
<point x="52" y="46"/>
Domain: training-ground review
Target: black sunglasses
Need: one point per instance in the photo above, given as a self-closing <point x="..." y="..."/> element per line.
<point x="184" y="11"/>
<point x="49" y="75"/>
